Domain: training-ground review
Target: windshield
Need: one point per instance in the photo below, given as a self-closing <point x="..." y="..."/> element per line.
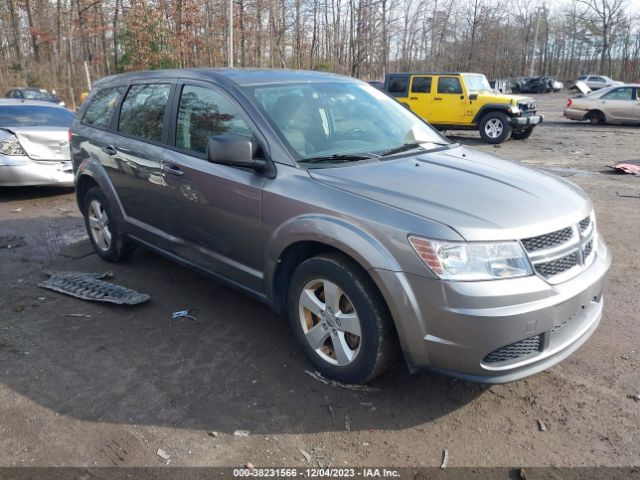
<point x="35" y="95"/>
<point x="477" y="83"/>
<point x="341" y="121"/>
<point x="35" y="116"/>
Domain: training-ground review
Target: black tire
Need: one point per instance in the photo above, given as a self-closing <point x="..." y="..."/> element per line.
<point x="596" y="117"/>
<point x="522" y="134"/>
<point x="502" y="122"/>
<point x="377" y="345"/>
<point x="118" y="248"/>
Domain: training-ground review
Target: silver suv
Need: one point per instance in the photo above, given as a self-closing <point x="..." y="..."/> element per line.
<point x="328" y="200"/>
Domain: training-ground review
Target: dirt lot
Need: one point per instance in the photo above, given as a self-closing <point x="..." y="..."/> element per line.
<point x="114" y="386"/>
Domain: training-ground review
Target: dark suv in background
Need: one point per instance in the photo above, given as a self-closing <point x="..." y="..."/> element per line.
<point x="330" y="201"/>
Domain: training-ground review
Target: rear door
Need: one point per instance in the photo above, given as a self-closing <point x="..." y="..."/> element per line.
<point x="619" y="103"/>
<point x="448" y="101"/>
<point x="212" y="210"/>
<point x="135" y="155"/>
<point x="420" y="98"/>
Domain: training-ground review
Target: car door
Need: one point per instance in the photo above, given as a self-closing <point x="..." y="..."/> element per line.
<point x="212" y="211"/>
<point x="420" y="98"/>
<point x="134" y="156"/>
<point x="636" y="105"/>
<point x="618" y="104"/>
<point x="448" y="101"/>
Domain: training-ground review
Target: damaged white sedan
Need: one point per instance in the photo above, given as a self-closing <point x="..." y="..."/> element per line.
<point x="34" y="144"/>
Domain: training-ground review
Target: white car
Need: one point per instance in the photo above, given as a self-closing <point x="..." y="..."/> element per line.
<point x="596" y="82"/>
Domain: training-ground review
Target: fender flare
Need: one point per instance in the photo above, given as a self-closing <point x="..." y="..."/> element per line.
<point x="342" y="235"/>
<point x="490" y="107"/>
<point x="91" y="167"/>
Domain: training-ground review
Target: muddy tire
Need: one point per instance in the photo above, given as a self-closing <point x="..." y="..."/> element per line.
<point x="104" y="232"/>
<point x="596" y="117"/>
<point x="495" y="127"/>
<point x="340" y="319"/>
<point x="522" y="134"/>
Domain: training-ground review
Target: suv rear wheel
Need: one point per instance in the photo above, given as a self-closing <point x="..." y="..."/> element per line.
<point x="340" y="319"/>
<point x="495" y="127"/>
<point x="105" y="236"/>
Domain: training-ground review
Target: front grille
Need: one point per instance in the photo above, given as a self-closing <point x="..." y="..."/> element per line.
<point x="515" y="350"/>
<point x="556" y="267"/>
<point x="584" y="224"/>
<point x="527" y="106"/>
<point x="588" y="248"/>
<point x="549" y="240"/>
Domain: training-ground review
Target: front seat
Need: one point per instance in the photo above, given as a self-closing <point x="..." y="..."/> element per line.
<point x="283" y="112"/>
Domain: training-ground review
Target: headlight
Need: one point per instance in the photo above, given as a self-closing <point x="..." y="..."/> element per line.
<point x="514" y="109"/>
<point x="472" y="261"/>
<point x="11" y="146"/>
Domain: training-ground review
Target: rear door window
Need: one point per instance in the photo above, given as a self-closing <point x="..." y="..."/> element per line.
<point x="143" y="109"/>
<point x="421" y="85"/>
<point x="204" y="112"/>
<point x="625" y="93"/>
<point x="102" y="107"/>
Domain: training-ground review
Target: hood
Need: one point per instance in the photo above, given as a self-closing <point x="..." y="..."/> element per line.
<point x="480" y="196"/>
<point x="582" y="87"/>
<point x="492" y="97"/>
<point x="43" y="143"/>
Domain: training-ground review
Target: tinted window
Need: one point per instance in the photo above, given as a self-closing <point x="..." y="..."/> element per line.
<point x="421" y="85"/>
<point x="102" y="107"/>
<point x="398" y="84"/>
<point x="142" y="111"/>
<point x="449" y="85"/>
<point x="597" y="79"/>
<point x="619" y="94"/>
<point x="30" y="115"/>
<point x="203" y="113"/>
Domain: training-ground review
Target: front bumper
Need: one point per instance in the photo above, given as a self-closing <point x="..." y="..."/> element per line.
<point x="526" y="120"/>
<point x="453" y="327"/>
<point x="575" y="114"/>
<point x="22" y="171"/>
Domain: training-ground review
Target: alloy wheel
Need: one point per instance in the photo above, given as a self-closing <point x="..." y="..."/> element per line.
<point x="494" y="128"/>
<point x="99" y="225"/>
<point x="330" y="322"/>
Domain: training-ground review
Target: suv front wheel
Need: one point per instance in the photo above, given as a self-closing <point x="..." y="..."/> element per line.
<point x="495" y="127"/>
<point x="340" y="319"/>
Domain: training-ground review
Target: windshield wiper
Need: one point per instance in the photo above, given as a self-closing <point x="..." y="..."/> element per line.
<point x="409" y="146"/>
<point x="345" y="157"/>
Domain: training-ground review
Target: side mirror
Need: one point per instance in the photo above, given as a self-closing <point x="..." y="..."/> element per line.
<point x="473" y="96"/>
<point x="234" y="150"/>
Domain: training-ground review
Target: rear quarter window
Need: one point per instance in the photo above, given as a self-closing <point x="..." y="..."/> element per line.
<point x="398" y="85"/>
<point x="102" y="107"/>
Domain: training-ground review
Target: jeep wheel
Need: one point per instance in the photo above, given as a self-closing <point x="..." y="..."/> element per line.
<point x="522" y="134"/>
<point x="340" y="320"/>
<point x="495" y="127"/>
<point x="103" y="231"/>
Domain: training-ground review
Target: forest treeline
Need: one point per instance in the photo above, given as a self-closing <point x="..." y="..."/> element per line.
<point x="66" y="44"/>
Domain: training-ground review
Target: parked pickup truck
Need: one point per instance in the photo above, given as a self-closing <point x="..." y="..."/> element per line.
<point x="465" y="101"/>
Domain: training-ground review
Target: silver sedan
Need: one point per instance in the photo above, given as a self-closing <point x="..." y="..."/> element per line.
<point x="34" y="144"/>
<point x="617" y="104"/>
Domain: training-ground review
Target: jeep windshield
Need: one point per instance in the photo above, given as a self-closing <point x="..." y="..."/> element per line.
<point x="342" y="122"/>
<point x="477" y="83"/>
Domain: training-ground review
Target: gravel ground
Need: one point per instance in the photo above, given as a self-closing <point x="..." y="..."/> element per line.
<point x="113" y="386"/>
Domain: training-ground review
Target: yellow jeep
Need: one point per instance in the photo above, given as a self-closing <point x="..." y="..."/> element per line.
<point x="464" y="101"/>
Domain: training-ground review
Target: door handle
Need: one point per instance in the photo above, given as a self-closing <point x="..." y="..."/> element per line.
<point x="172" y="170"/>
<point x="437" y="98"/>
<point x="110" y="150"/>
<point x="413" y="98"/>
